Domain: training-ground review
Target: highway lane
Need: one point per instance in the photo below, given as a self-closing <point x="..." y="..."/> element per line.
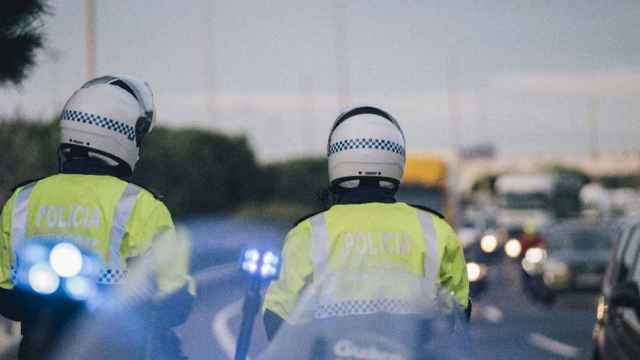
<point x="528" y="330"/>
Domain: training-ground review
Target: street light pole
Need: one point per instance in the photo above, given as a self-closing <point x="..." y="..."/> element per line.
<point x="90" y="39"/>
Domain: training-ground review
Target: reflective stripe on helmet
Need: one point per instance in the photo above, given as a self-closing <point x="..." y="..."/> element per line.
<point x="101" y="121"/>
<point x="378" y="144"/>
<point x="431" y="258"/>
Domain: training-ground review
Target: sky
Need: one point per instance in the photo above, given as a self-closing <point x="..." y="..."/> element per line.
<point x="530" y="77"/>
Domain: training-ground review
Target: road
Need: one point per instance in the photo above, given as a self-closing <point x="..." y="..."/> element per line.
<point x="505" y="323"/>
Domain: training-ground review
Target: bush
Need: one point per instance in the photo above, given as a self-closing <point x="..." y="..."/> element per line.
<point x="198" y="171"/>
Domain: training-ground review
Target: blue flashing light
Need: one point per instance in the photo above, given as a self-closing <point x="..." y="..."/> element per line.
<point x="252" y="254"/>
<point x="34" y="253"/>
<point x="250" y="266"/>
<point x="79" y="288"/>
<point x="258" y="263"/>
<point x="268" y="271"/>
<point x="58" y="266"/>
<point x="270" y="258"/>
<point x="66" y="259"/>
<point x="43" y="279"/>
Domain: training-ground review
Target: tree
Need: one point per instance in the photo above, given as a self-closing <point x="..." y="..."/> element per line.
<point x="20" y="36"/>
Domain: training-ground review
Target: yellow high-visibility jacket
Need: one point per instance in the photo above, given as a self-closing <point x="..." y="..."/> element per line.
<point x="367" y="256"/>
<point x="116" y="219"/>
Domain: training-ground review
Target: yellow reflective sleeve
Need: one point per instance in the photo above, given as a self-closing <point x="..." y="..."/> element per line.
<point x="297" y="268"/>
<point x="151" y="226"/>
<point x="453" y="267"/>
<point x="6" y="250"/>
<point x="171" y="257"/>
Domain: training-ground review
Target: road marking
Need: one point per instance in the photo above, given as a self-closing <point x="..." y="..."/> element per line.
<point x="220" y="326"/>
<point x="221" y="329"/>
<point x="553" y="346"/>
<point x="216" y="272"/>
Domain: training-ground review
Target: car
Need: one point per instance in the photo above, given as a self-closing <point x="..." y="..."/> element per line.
<point x="480" y="250"/>
<point x="616" y="334"/>
<point x="574" y="258"/>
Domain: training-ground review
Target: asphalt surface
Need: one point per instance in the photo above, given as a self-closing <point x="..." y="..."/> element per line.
<point x="505" y="323"/>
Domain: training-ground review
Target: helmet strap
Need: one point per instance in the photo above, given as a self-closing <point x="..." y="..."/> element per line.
<point x="143" y="124"/>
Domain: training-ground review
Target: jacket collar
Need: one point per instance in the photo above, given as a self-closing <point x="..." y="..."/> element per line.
<point x="363" y="194"/>
<point x="89" y="166"/>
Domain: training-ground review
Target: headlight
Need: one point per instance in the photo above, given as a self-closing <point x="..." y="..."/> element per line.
<point x="556" y="274"/>
<point x="535" y="255"/>
<point x="43" y="279"/>
<point x="475" y="271"/>
<point x="533" y="260"/>
<point x="66" y="259"/>
<point x="489" y="243"/>
<point x="513" y="248"/>
<point x="47" y="264"/>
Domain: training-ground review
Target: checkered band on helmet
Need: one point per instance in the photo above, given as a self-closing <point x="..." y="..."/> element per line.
<point x="97" y="120"/>
<point x="379" y="144"/>
<point x="112" y="276"/>
<point x="364" y="307"/>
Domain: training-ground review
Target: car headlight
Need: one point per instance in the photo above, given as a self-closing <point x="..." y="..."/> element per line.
<point x="489" y="243"/>
<point x="556" y="274"/>
<point x="533" y="260"/>
<point x="513" y="248"/>
<point x="535" y="255"/>
<point x="475" y="271"/>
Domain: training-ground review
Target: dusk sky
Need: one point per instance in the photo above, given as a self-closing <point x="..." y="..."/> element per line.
<point x="528" y="76"/>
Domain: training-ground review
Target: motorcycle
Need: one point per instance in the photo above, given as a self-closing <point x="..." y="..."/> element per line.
<point x="419" y="322"/>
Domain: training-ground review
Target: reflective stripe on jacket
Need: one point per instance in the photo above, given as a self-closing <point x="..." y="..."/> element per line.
<point x="368" y="257"/>
<point x="116" y="219"/>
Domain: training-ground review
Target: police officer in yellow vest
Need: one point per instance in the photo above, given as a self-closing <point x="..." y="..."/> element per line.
<point x="103" y="125"/>
<point x="365" y="232"/>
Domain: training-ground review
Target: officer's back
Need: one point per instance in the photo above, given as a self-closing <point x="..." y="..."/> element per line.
<point x="92" y="202"/>
<point x="365" y="240"/>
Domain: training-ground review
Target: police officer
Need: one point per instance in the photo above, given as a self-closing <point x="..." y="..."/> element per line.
<point x="103" y="126"/>
<point x="351" y="246"/>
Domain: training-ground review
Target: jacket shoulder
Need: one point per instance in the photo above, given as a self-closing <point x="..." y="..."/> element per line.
<point x="427" y="209"/>
<point x="151" y="191"/>
<point x="26" y="182"/>
<point x="308" y="216"/>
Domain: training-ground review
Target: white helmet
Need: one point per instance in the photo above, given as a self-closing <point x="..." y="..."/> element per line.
<point x="109" y="116"/>
<point x="366" y="142"/>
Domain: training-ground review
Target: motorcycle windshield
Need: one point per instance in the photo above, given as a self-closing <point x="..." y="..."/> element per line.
<point x="394" y="315"/>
